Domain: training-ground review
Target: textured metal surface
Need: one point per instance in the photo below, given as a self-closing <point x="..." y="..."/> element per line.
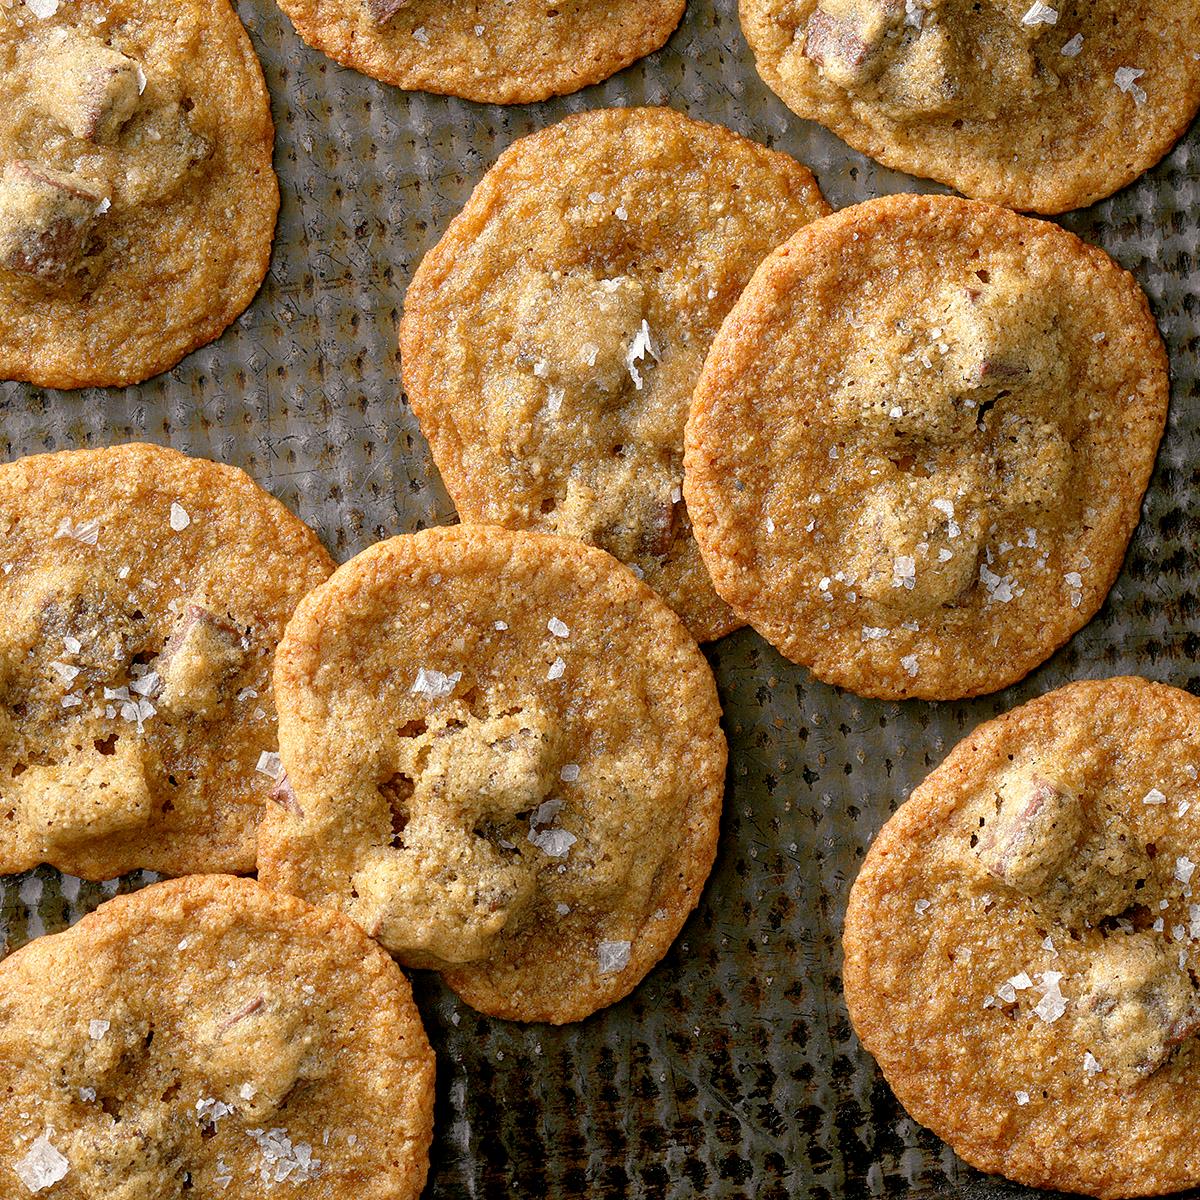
<point x="732" y="1072"/>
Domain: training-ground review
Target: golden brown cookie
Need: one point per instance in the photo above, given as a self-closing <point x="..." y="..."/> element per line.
<point x="504" y="761"/>
<point x="1021" y="943"/>
<point x="494" y="51"/>
<point x="919" y="445"/>
<point x="1037" y="105"/>
<point x="209" y="1038"/>
<point x="552" y="339"/>
<point x="137" y="197"/>
<point x="141" y="597"/>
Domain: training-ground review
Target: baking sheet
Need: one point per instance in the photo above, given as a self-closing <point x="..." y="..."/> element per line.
<point x="732" y="1071"/>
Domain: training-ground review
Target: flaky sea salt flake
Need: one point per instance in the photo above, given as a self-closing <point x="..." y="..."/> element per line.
<point x="42" y="8"/>
<point x="557" y="669"/>
<point x="613" y="956"/>
<point x="97" y="1028"/>
<point x="1040" y="14"/>
<point x="1154" y="796"/>
<point x="434" y="684"/>
<point x="1053" y="1003"/>
<point x="86" y="532"/>
<point x="1184" y="868"/>
<point x="1126" y="80"/>
<point x="1072" y="48"/>
<point x="180" y="518"/>
<point x="43" y="1166"/>
<point x="558" y="628"/>
<point x="270" y="764"/>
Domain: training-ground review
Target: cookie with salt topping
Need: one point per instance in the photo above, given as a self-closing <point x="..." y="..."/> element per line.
<point x="493" y="51"/>
<point x="504" y="761"/>
<point x="208" y="1037"/>
<point x="142" y="593"/>
<point x="551" y="340"/>
<point x="1035" y="105"/>
<point x="1021" y="945"/>
<point x="919" y="445"/>
<point x="137" y="196"/>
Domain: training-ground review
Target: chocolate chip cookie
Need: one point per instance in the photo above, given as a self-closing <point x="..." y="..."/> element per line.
<point x="141" y="597"/>
<point x="1037" y="105"/>
<point x="919" y="445"/>
<point x="208" y="1037"/>
<point x="503" y="761"/>
<point x="551" y="341"/>
<point x="1021" y="943"/>
<point x="494" y="51"/>
<point x="137" y="197"/>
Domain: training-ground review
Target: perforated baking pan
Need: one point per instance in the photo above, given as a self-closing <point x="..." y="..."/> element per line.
<point x="732" y="1071"/>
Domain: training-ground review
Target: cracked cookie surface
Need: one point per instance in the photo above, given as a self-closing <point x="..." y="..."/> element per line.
<point x="1021" y="945"/>
<point x="492" y="51"/>
<point x="142" y="595"/>
<point x="504" y="761"/>
<point x="208" y="1037"/>
<point x="551" y="340"/>
<point x="137" y="195"/>
<point x="919" y="445"/>
<point x="1032" y="105"/>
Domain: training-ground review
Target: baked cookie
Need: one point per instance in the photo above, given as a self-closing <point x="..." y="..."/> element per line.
<point x="919" y="445"/>
<point x="137" y="197"/>
<point x="1044" y="106"/>
<point x="1021" y="943"/>
<point x="207" y="1037"/>
<point x="494" y="51"/>
<point x="141" y="597"/>
<point x="551" y="340"/>
<point x="504" y="761"/>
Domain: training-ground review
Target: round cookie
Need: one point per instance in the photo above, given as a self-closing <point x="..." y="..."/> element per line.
<point x="142" y="594"/>
<point x="1032" y="105"/>
<point x="504" y="760"/>
<point x="919" y="445"/>
<point x="218" y="1040"/>
<point x="137" y="196"/>
<point x="551" y="340"/>
<point x="1021" y="943"/>
<point x="493" y="51"/>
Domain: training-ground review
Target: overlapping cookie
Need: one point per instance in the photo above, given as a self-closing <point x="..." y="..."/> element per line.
<point x="142" y="594"/>
<point x="920" y="442"/>
<point x="551" y="341"/>
<point x="206" y="1037"/>
<point x="1021" y="944"/>
<point x="504" y="761"/>
<point x="137" y="197"/>
<point x="1037" y="105"/>
<point x="494" y="51"/>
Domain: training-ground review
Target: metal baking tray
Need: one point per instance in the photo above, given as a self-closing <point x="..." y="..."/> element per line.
<point x="732" y="1071"/>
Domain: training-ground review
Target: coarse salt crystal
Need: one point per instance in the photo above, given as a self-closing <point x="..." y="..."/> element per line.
<point x="1072" y="48"/>
<point x="64" y="671"/>
<point x="770" y="525"/>
<point x="873" y="633"/>
<point x="1053" y="1003"/>
<point x="562" y="909"/>
<point x="180" y="519"/>
<point x="904" y="570"/>
<point x="1074" y="579"/>
<point x="556" y="627"/>
<point x="501" y="626"/>
<point x="1154" y="796"/>
<point x="87" y="532"/>
<point x="641" y="345"/>
<point x="910" y="664"/>
<point x="1090" y="1065"/>
<point x="97" y="1028"/>
<point x="72" y="644"/>
<point x="557" y="669"/>
<point x="420" y="35"/>
<point x="281" y="1160"/>
<point x="1184" y="868"/>
<point x="921" y="907"/>
<point x="569" y="773"/>
<point x="270" y="765"/>
<point x="613" y="956"/>
<point x="434" y="684"/>
<point x="1126" y="79"/>
<point x="43" y="1166"/>
<point x="42" y="8"/>
<point x="211" y="1111"/>
<point x="1022" y="1098"/>
<point x="1040" y="14"/>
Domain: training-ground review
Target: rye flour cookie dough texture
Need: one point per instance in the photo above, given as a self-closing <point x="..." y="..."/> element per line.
<point x="142" y="594"/>
<point x="920" y="442"/>
<point x="1043" y="106"/>
<point x="551" y="340"/>
<point x="137" y="197"/>
<point x="493" y="51"/>
<point x="1021" y="943"/>
<point x="504" y="761"/>
<point x="209" y="1038"/>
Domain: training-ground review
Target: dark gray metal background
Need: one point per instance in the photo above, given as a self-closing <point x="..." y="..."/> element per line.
<point x="732" y="1072"/>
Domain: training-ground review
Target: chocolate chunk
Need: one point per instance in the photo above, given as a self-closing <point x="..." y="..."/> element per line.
<point x="844" y="39"/>
<point x="46" y="219"/>
<point x="87" y="87"/>
<point x="197" y="661"/>
<point x="1037" y="827"/>
<point x="828" y="38"/>
<point x="384" y="10"/>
